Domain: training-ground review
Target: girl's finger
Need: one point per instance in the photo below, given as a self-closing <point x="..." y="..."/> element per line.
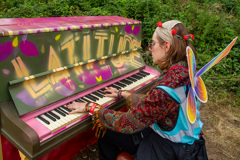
<point x="73" y="111"/>
<point x="70" y="106"/>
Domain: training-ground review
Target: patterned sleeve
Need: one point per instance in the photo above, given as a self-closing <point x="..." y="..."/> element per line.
<point x="136" y="98"/>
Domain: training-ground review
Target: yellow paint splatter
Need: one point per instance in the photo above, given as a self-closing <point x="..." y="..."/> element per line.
<point x="57" y="37"/>
<point x="116" y="29"/>
<point x="133" y="27"/>
<point x="99" y="79"/>
<point x="42" y="49"/>
<point x="77" y="38"/>
<point x="15" y="42"/>
<point x="81" y="86"/>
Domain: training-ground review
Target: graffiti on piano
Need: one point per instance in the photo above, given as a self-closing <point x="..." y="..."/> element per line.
<point x="99" y="55"/>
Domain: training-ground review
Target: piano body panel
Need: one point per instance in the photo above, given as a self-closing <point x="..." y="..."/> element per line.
<point x="16" y="131"/>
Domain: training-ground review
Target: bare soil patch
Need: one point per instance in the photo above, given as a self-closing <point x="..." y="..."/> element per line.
<point x="221" y="131"/>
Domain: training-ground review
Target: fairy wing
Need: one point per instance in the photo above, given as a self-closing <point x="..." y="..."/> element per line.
<point x="197" y="87"/>
<point x="191" y="106"/>
<point x="216" y="59"/>
<point x="191" y="65"/>
<point x="191" y="103"/>
<point x="197" y="83"/>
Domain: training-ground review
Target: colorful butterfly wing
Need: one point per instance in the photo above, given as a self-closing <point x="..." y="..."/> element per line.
<point x="216" y="59"/>
<point x="191" y="103"/>
<point x="200" y="89"/>
<point x="191" y="107"/>
<point x="191" y="65"/>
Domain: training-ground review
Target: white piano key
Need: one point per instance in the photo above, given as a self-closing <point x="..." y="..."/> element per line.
<point x="55" y="124"/>
<point x="64" y="119"/>
<point x="51" y="126"/>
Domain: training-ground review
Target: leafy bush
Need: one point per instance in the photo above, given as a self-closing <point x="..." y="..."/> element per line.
<point x="214" y="24"/>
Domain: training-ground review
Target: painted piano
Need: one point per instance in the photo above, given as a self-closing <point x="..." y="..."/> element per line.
<point x="46" y="63"/>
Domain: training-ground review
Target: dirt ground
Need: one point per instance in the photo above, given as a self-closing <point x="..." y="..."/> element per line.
<point x="221" y="132"/>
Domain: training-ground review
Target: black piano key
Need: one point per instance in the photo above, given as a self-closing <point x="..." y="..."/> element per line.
<point x="93" y="96"/>
<point x="59" y="112"/>
<point x="120" y="87"/>
<point x="54" y="115"/>
<point x="44" y="120"/>
<point x="98" y="95"/>
<point x="137" y="77"/>
<point x="145" y="72"/>
<point x="49" y="116"/>
<point x="114" y="86"/>
<point x="131" y="79"/>
<point x="120" y="84"/>
<point x="85" y="100"/>
<point x="103" y="89"/>
<point x="134" y="78"/>
<point x="63" y="111"/>
<point x="79" y="100"/>
<point x="100" y="91"/>
<point x="140" y="74"/>
<point x="90" y="98"/>
<point x="128" y="81"/>
<point x="67" y="109"/>
<point x="125" y="82"/>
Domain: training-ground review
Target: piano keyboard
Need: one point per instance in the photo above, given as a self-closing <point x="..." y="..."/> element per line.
<point x="58" y="118"/>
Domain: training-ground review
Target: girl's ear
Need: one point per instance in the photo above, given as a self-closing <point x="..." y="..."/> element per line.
<point x="167" y="46"/>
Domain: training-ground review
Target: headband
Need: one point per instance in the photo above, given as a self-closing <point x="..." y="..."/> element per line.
<point x="164" y="30"/>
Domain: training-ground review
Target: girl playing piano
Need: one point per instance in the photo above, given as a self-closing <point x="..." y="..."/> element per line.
<point x="156" y="127"/>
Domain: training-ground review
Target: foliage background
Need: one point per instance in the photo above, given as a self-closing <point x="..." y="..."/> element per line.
<point x="214" y="23"/>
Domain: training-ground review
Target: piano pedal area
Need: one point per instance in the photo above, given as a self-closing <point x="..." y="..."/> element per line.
<point x="90" y="153"/>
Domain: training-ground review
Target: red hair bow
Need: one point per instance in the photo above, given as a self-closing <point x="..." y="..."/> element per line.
<point x="185" y="37"/>
<point x="174" y="31"/>
<point x="192" y="36"/>
<point x="159" y="24"/>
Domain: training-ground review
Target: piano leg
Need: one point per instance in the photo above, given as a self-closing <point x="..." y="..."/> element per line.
<point x="8" y="151"/>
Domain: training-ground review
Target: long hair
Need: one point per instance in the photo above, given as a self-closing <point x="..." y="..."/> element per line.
<point x="177" y="50"/>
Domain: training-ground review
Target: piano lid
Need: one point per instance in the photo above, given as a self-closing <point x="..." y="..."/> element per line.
<point x="19" y="26"/>
<point x="32" y="47"/>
